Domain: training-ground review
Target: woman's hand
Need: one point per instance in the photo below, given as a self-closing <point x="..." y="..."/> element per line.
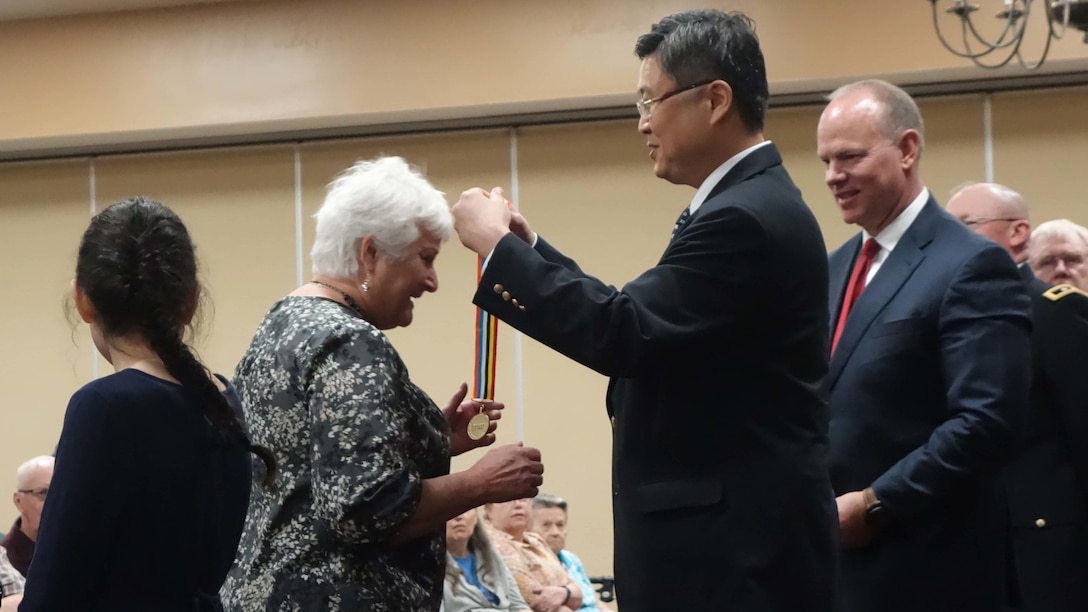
<point x="459" y="412"/>
<point x="549" y="599"/>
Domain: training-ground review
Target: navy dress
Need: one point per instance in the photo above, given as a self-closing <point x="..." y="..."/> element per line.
<point x="146" y="504"/>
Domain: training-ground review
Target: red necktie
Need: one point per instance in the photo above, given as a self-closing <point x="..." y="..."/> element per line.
<point x="854" y="287"/>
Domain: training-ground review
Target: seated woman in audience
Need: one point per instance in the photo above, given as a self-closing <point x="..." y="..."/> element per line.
<point x="543" y="582"/>
<point x="356" y="519"/>
<point x="550" y="523"/>
<point x="476" y="577"/>
<point x="153" y="471"/>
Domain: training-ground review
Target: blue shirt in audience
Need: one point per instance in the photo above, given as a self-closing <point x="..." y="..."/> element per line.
<point x="574" y="567"/>
<point x="468" y="568"/>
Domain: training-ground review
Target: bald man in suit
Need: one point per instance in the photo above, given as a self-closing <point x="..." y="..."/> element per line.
<point x="928" y="377"/>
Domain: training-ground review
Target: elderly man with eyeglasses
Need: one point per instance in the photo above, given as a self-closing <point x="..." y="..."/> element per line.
<point x="32" y="485"/>
<point x="1058" y="253"/>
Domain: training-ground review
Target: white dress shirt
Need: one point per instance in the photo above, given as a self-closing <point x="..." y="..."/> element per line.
<point x="890" y="235"/>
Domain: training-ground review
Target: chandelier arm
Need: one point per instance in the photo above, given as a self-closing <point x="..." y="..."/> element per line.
<point x="1046" y="47"/>
<point x="976" y="57"/>
<point x="1055" y="32"/>
<point x="944" y="41"/>
<point x="1001" y="43"/>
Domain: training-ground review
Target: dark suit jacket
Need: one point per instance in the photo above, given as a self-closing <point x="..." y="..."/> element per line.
<point x="928" y="378"/>
<point x="1048" y="480"/>
<point x="716" y="357"/>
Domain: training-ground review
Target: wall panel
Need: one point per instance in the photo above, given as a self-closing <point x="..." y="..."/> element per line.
<point x="238" y="205"/>
<point x="1040" y="149"/>
<point x="44" y="210"/>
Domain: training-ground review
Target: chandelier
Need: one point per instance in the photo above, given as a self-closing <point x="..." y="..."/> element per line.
<point x="997" y="51"/>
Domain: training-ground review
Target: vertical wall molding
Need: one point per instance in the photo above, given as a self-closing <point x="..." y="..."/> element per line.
<point x="93" y="197"/>
<point x="988" y="136"/>
<point x="519" y="378"/>
<point x="298" y="214"/>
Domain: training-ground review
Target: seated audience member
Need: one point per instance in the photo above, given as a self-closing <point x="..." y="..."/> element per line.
<point x="31" y="486"/>
<point x="11" y="583"/>
<point x="546" y="586"/>
<point x="550" y="523"/>
<point x="1058" y="253"/>
<point x="476" y="577"/>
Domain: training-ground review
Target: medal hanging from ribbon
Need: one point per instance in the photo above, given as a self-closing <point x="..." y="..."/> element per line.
<point x="483" y="386"/>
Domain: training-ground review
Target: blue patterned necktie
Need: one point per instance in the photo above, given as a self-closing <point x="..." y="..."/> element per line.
<point x="684" y="216"/>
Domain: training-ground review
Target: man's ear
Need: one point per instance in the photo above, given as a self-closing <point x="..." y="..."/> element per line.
<point x="83" y="304"/>
<point x="721" y="100"/>
<point x="910" y="147"/>
<point x="1019" y="233"/>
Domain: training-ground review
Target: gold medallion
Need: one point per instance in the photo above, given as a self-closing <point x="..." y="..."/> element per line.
<point x="478" y="425"/>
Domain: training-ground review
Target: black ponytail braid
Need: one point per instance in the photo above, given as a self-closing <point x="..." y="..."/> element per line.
<point x="137" y="265"/>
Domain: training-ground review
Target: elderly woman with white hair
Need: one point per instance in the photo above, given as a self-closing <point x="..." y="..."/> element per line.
<point x="355" y="519"/>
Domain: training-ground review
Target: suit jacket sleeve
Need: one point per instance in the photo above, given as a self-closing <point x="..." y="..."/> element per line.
<point x="984" y="327"/>
<point x="700" y="289"/>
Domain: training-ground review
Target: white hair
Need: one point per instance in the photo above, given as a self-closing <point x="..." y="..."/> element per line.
<point x="1059" y="227"/>
<point x="383" y="197"/>
<point x="27" y="469"/>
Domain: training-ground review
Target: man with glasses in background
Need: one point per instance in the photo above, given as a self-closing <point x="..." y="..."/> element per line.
<point x="716" y="355"/>
<point x="1047" y="481"/>
<point x="32" y="486"/>
<point x="1058" y="253"/>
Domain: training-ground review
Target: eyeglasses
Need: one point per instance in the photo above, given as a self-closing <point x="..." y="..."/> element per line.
<point x="40" y="493"/>
<point x="646" y="106"/>
<point x="985" y="220"/>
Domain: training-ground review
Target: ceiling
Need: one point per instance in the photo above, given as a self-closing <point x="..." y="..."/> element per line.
<point x="29" y="9"/>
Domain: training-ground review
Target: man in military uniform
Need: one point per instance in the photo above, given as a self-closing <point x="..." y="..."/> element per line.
<point x="1048" y="481"/>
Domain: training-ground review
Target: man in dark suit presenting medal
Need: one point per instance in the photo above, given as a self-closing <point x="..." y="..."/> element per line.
<point x="736" y="513"/>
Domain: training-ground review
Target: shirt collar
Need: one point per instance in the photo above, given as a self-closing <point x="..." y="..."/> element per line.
<point x="890" y="235"/>
<point x="718" y="174"/>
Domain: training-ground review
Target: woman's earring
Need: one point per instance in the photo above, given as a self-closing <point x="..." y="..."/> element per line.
<point x="365" y="286"/>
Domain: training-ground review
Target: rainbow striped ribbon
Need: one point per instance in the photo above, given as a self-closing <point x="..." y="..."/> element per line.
<point x="487" y="339"/>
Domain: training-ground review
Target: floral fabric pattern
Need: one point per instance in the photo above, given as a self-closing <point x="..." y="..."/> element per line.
<point x="354" y="439"/>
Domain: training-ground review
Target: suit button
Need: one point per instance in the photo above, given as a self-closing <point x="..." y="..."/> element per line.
<point x="1040" y="523"/>
<point x="521" y="307"/>
<point x="506" y="295"/>
<point x="514" y="301"/>
<point x="497" y="288"/>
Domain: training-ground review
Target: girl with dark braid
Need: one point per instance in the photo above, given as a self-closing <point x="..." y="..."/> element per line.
<point x="153" y="469"/>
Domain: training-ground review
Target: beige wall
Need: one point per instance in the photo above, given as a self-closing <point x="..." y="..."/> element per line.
<point x="586" y="187"/>
<point x="260" y="66"/>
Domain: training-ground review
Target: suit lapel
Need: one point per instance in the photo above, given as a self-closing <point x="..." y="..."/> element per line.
<point x="755" y="162"/>
<point x="890" y="278"/>
<point x="840" y="265"/>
